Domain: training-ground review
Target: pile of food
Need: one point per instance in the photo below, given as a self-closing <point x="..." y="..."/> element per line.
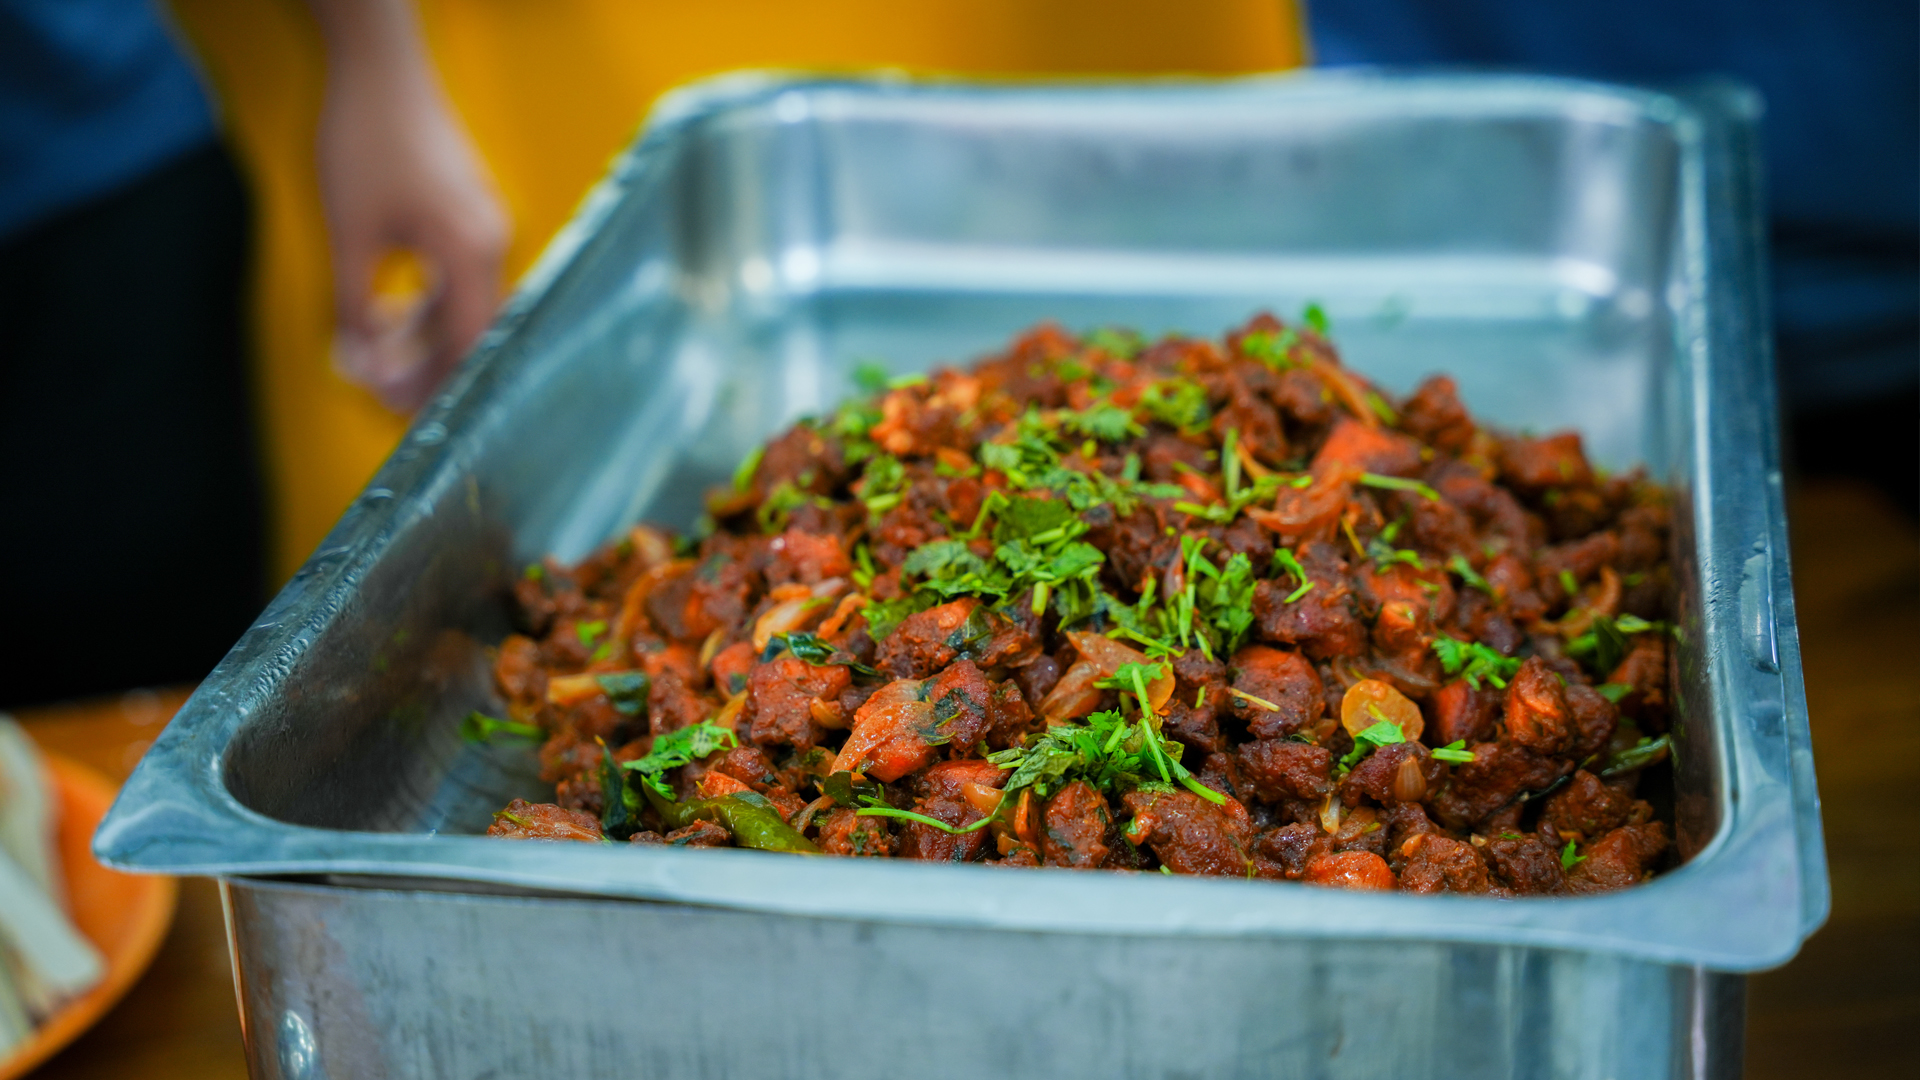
<point x="1184" y="606"/>
<point x="44" y="959"/>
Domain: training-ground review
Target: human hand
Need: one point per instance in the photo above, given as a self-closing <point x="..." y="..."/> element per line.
<point x="398" y="174"/>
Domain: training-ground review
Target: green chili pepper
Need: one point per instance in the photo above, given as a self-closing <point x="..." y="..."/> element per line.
<point x="748" y="815"/>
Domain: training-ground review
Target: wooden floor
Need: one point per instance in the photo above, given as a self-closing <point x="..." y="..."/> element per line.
<point x="1848" y="1006"/>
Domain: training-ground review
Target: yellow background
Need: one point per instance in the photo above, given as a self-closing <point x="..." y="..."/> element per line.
<point x="550" y="90"/>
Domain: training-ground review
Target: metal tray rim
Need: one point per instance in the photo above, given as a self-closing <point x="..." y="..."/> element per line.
<point x="176" y="815"/>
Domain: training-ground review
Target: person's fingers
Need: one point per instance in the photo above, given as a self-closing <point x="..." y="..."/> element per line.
<point x="467" y="254"/>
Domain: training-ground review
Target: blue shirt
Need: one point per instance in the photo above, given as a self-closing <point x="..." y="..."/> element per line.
<point x="1841" y="136"/>
<point x="94" y="94"/>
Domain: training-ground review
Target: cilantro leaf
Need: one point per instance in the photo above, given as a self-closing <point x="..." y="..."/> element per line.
<point x="619" y="804"/>
<point x="1605" y="644"/>
<point x="749" y="465"/>
<point x="1135" y="677"/>
<point x="1106" y="751"/>
<point x="1027" y="518"/>
<point x="1105" y="421"/>
<point x="1287" y="561"/>
<point x="1382" y="733"/>
<point x="677" y="748"/>
<point x="1474" y="662"/>
<point x="1468" y="575"/>
<point x="1646" y="752"/>
<point x="478" y="727"/>
<point x="1271" y="349"/>
<point x="1178" y="403"/>
<point x="626" y="690"/>
<point x="1118" y="342"/>
<point x="1399" y="483"/>
<point x="884" y="616"/>
<point x="818" y="652"/>
<point x="1316" y="317"/>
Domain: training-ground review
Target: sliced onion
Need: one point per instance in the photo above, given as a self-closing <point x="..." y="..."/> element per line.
<point x="1331" y="812"/>
<point x="838" y="620"/>
<point x="1075" y="695"/>
<point x="1410" y="781"/>
<point x="1370" y="701"/>
<point x="828" y="714"/>
<point x="573" y="689"/>
<point x="1348" y="387"/>
<point x="784" y="618"/>
<point x="650" y="545"/>
<point x="729" y="715"/>
<point x="982" y="797"/>
<point x="633" y="606"/>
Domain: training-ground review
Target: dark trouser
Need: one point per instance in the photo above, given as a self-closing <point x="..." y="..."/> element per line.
<point x="131" y="539"/>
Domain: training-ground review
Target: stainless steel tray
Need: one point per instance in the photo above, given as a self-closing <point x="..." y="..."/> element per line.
<point x="1575" y="254"/>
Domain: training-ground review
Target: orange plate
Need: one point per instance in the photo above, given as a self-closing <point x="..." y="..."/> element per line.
<point x="124" y="915"/>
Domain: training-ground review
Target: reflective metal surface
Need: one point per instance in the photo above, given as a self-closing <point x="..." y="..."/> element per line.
<point x="359" y="982"/>
<point x="1574" y="254"/>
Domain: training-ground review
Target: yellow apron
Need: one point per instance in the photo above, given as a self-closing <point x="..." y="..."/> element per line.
<point x="550" y="90"/>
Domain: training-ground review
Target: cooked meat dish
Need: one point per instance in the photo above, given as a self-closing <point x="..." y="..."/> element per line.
<point x="1183" y="606"/>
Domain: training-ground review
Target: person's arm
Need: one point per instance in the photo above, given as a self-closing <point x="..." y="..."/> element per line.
<point x="397" y="172"/>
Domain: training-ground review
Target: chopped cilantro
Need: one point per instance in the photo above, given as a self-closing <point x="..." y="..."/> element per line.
<point x="590" y="631"/>
<point x="1271" y="349"/>
<point x="1399" y="483"/>
<point x="478" y="727"/>
<point x="627" y="690"/>
<point x="1117" y="342"/>
<point x="1383" y="733"/>
<point x="908" y="815"/>
<point x="818" y="652"/>
<point x="1316" y="317"/>
<point x="870" y="376"/>
<point x="1614" y="691"/>
<point x="1103" y="420"/>
<point x="1605" y="642"/>
<point x="1287" y="561"/>
<point x="1135" y="677"/>
<point x="1106" y="751"/>
<point x="1380" y="408"/>
<point x="1468" y="575"/>
<point x="1642" y="754"/>
<point x="1567" y="583"/>
<point x="884" y="615"/>
<point x="534" y="572"/>
<point x="677" y="748"/>
<point x="1384" y="553"/>
<point x="1474" y="662"/>
<point x="781" y="502"/>
<point x="1179" y="403"/>
<point x="1568" y="860"/>
<point x="1455" y="751"/>
<point x="883" y="483"/>
<point x="743" y="474"/>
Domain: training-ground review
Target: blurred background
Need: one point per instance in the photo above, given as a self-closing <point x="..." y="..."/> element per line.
<point x="241" y="240"/>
